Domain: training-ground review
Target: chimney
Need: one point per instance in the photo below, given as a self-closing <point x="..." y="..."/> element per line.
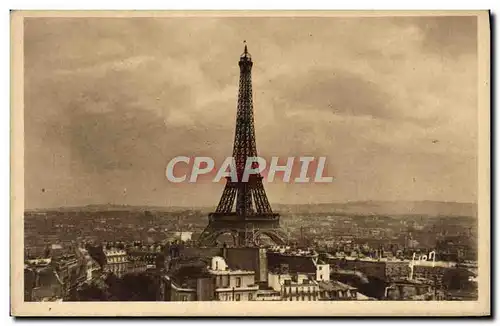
<point x="224" y="251"/>
<point x="284" y="268"/>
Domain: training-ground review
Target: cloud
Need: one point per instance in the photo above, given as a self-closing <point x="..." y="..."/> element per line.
<point x="109" y="101"/>
<point x="450" y="35"/>
<point x="338" y="91"/>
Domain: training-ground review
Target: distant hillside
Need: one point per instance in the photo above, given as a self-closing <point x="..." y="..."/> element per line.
<point x="426" y="208"/>
<point x="112" y="207"/>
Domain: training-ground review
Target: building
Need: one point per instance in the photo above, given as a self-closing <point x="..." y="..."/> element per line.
<point x="406" y="289"/>
<point x="181" y="293"/>
<point x="308" y="286"/>
<point x="188" y="279"/>
<point x="267" y="295"/>
<point x="145" y="258"/>
<point x="335" y="290"/>
<point x="232" y="285"/>
<point x="197" y="289"/>
<point x="72" y="272"/>
<point x="116" y="262"/>
<point x="58" y="278"/>
<point x="372" y="268"/>
<point x="297" y="287"/>
<point x="136" y="267"/>
<point x="247" y="258"/>
<point x="322" y="272"/>
<point x="91" y="267"/>
<point x="183" y="235"/>
<point x="396" y="269"/>
<point x="297" y="260"/>
<point x="42" y="284"/>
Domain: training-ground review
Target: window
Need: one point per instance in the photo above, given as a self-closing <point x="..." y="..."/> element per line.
<point x="238" y="282"/>
<point x="237" y="297"/>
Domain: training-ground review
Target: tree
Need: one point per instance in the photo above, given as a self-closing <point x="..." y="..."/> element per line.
<point x="92" y="292"/>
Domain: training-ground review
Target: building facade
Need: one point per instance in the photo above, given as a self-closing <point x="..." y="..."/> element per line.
<point x="116" y="262"/>
<point x="268" y="295"/>
<point x="232" y="285"/>
<point x="197" y="289"/>
<point x="296" y="287"/>
<point x="335" y="290"/>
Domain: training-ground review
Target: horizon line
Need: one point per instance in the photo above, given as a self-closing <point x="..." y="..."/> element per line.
<point x="272" y="204"/>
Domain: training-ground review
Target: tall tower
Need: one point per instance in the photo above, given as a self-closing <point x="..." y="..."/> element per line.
<point x="244" y="210"/>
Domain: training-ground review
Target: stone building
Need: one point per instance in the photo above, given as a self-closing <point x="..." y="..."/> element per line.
<point x="116" y="262"/>
<point x="335" y="290"/>
<point x="297" y="287"/>
<point x="232" y="285"/>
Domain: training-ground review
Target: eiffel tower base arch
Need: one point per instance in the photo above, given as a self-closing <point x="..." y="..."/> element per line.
<point x="245" y="231"/>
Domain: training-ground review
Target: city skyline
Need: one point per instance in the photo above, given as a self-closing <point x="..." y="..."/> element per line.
<point x="107" y="108"/>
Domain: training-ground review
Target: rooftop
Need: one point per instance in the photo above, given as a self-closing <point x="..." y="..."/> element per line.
<point x="114" y="252"/>
<point x="335" y="286"/>
<point x="39" y="262"/>
<point x="287" y="251"/>
<point x="395" y="260"/>
<point x="231" y="271"/>
<point x="267" y="292"/>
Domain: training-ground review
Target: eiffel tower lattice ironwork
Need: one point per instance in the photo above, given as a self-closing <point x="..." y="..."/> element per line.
<point x="244" y="210"/>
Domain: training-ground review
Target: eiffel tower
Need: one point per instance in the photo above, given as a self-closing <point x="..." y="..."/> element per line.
<point x="244" y="210"/>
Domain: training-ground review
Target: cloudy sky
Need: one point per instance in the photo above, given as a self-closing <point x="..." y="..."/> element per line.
<point x="391" y="103"/>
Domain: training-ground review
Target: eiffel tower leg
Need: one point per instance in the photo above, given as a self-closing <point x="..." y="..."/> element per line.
<point x="241" y="240"/>
<point x="278" y="236"/>
<point x="207" y="237"/>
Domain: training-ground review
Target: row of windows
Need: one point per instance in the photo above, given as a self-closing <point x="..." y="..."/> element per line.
<point x="226" y="283"/>
<point x="141" y="258"/>
<point x="116" y="268"/>
<point x="302" y="298"/>
<point x="117" y="259"/>
<point x="235" y="297"/>
<point x="340" y="294"/>
<point x="305" y="289"/>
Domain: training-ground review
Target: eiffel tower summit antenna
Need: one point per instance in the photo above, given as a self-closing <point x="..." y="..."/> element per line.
<point x="244" y="203"/>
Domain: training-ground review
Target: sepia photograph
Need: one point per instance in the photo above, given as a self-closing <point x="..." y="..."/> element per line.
<point x="176" y="163"/>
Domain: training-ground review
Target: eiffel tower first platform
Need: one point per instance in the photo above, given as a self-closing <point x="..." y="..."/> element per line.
<point x="244" y="210"/>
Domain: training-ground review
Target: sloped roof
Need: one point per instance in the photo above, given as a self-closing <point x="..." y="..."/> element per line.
<point x="335" y="286"/>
